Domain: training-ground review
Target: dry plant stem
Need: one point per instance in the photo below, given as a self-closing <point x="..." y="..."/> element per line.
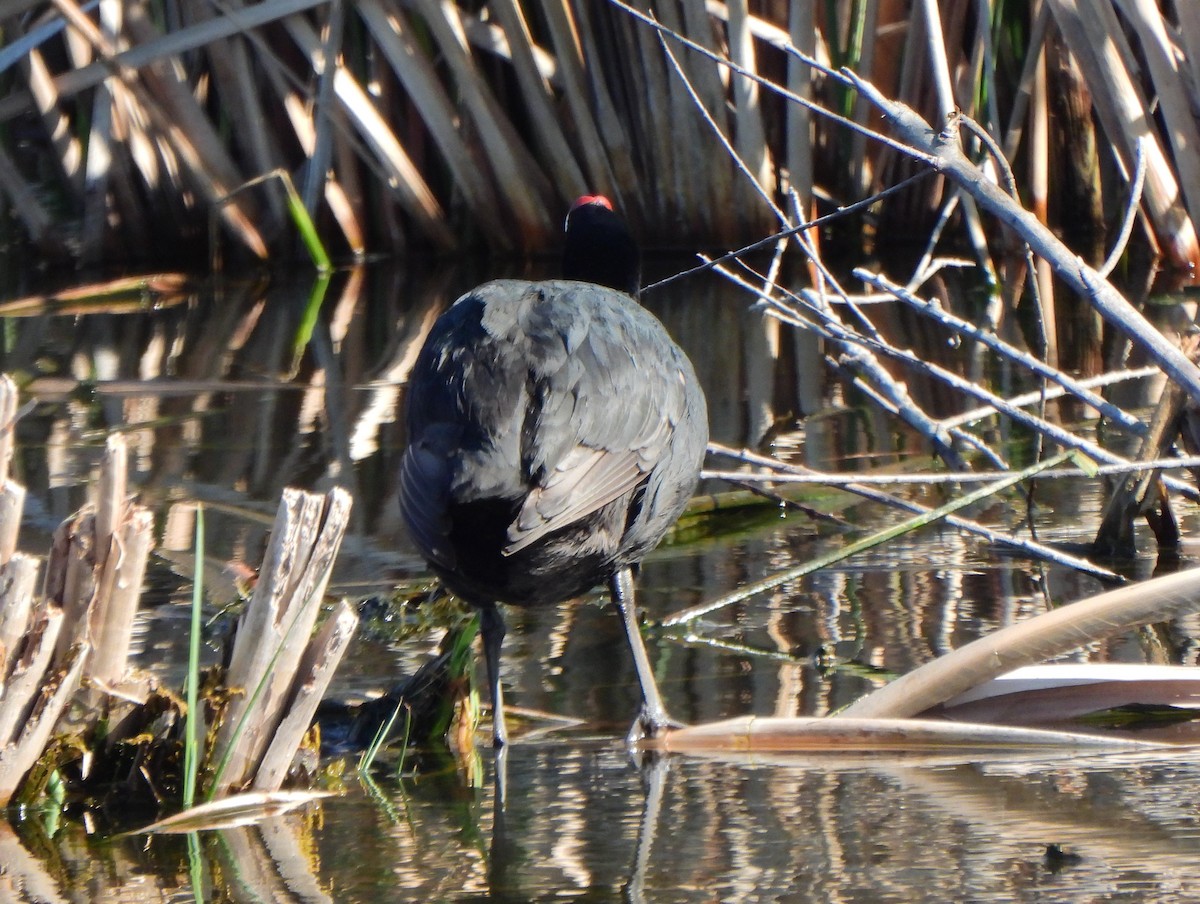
<point x="1071" y="269"/>
<point x="1131" y="212"/>
<point x="958" y="433"/>
<point x="1051" y="431"/>
<point x="116" y="609"/>
<point x="397" y="39"/>
<point x="1038" y="396"/>
<point x="862" y="360"/>
<point x="403" y="176"/>
<point x="18" y="578"/>
<point x="49" y="696"/>
<point x="313" y="675"/>
<point x="274" y="632"/>
<point x="1031" y="641"/>
<point x="194" y="155"/>
<point x="936" y="312"/>
<point x="762" y="734"/>
<point x="1031" y="547"/>
<point x="1136" y="493"/>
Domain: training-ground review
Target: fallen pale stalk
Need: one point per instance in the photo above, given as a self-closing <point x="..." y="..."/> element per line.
<point x="1032" y="641"/>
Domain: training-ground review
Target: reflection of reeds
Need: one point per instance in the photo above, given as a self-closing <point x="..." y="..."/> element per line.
<point x="437" y="124"/>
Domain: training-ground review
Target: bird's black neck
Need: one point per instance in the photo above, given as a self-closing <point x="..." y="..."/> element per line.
<point x="600" y="250"/>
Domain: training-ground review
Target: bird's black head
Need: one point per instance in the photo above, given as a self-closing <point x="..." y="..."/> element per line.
<point x="599" y="248"/>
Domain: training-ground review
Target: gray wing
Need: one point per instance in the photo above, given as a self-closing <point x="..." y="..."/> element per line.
<point x="606" y="401"/>
<point x="559" y="396"/>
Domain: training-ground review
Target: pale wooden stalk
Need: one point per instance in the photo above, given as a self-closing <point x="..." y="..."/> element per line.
<point x="12" y="494"/>
<point x="243" y="101"/>
<point x="689" y="150"/>
<point x="705" y="76"/>
<point x="18" y="579"/>
<point x="614" y="131"/>
<point x="67" y="152"/>
<point x="648" y="113"/>
<point x="113" y="617"/>
<point x="1031" y="641"/>
<point x="1039" y="188"/>
<point x="313" y="675"/>
<point x="518" y="177"/>
<point x="536" y="92"/>
<point x="51" y="695"/>
<point x="344" y="193"/>
<point x="182" y="140"/>
<point x="1175" y="107"/>
<point x="71" y="577"/>
<point x="1098" y="44"/>
<point x="395" y="36"/>
<point x="802" y="29"/>
<point x="101" y="146"/>
<point x="763" y="734"/>
<point x="25" y="681"/>
<point x="602" y="158"/>
<point x="405" y="179"/>
<point x="174" y="44"/>
<point x="751" y="140"/>
<point x="273" y="633"/>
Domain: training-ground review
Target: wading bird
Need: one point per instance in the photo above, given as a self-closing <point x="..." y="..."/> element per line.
<point x="555" y="434"/>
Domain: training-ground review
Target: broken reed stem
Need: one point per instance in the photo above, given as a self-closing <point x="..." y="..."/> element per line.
<point x="273" y="635"/>
<point x="313" y="675"/>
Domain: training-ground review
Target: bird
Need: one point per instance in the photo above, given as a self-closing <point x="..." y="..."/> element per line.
<point x="555" y="434"/>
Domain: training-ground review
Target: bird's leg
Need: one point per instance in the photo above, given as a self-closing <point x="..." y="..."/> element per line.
<point x="653" y="719"/>
<point x="491" y="625"/>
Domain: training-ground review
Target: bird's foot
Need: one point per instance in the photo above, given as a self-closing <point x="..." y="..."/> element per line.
<point x="650" y="725"/>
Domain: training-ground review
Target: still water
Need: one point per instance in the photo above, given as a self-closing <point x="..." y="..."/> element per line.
<point x="219" y="407"/>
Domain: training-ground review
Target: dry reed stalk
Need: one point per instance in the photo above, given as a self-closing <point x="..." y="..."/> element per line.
<point x="67" y="153"/>
<point x="243" y="99"/>
<point x="875" y="735"/>
<point x="18" y="580"/>
<point x="174" y="44"/>
<point x="191" y="147"/>
<point x="1098" y="44"/>
<point x="602" y="158"/>
<point x="517" y="176"/>
<point x="751" y="141"/>
<point x="313" y="674"/>
<point x="613" y="125"/>
<point x="1039" y="189"/>
<point x="535" y="90"/>
<point x="404" y="177"/>
<point x="273" y="634"/>
<point x="35" y="699"/>
<point x="1031" y="641"/>
<point x="1175" y="104"/>
<point x="393" y="32"/>
<point x="705" y="76"/>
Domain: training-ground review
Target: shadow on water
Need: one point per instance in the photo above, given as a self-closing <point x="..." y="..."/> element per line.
<point x="219" y="407"/>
